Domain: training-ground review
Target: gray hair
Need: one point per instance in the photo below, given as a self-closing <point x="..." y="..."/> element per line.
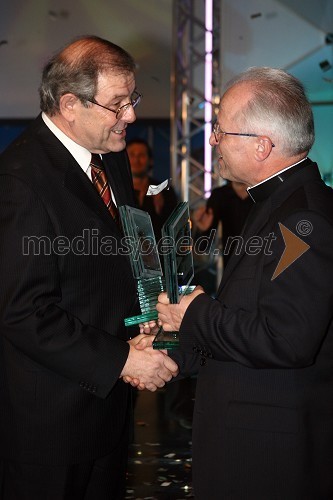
<point x="279" y="109"/>
<point x="75" y="70"/>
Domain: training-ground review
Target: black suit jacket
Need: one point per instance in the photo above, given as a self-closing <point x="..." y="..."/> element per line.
<point x="65" y="291"/>
<point x="263" y="421"/>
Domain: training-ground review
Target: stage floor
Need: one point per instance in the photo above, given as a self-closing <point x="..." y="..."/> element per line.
<point x="160" y="463"/>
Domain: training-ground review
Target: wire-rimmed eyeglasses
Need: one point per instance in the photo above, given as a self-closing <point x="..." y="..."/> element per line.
<point x="217" y="131"/>
<point x="135" y="99"/>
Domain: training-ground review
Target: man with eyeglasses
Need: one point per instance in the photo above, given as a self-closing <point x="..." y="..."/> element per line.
<point x="263" y="418"/>
<point x="67" y="285"/>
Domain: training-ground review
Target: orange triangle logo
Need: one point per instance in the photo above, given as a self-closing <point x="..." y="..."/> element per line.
<point x="295" y="247"/>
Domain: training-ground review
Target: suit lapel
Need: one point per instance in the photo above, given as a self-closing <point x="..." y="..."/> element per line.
<point x="74" y="179"/>
<point x="77" y="182"/>
<point x="120" y="178"/>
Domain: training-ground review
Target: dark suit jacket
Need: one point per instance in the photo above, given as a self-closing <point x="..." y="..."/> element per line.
<point x="263" y="420"/>
<point x="65" y="291"/>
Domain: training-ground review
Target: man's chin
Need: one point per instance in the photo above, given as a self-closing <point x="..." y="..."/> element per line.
<point x="223" y="173"/>
<point x="140" y="174"/>
<point x="117" y="146"/>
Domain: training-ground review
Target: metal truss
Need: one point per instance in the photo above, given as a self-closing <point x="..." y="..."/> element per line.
<point x="195" y="89"/>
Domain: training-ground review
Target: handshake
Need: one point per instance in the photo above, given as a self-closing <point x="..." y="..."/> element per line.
<point x="145" y="367"/>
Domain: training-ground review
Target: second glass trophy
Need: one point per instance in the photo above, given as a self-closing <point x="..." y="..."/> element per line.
<point x="178" y="266"/>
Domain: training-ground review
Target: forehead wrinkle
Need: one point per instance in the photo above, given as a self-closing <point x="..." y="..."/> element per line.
<point x="118" y="86"/>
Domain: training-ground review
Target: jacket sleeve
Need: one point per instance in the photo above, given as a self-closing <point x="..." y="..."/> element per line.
<point x="283" y="321"/>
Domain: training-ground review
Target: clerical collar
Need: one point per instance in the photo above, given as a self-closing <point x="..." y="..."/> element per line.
<point x="264" y="189"/>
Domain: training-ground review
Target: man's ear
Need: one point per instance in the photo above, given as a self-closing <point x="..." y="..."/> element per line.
<point x="263" y="148"/>
<point x="67" y="106"/>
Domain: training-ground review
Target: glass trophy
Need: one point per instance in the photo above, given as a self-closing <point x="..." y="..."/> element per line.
<point x="176" y="247"/>
<point x="145" y="261"/>
<point x="178" y="266"/>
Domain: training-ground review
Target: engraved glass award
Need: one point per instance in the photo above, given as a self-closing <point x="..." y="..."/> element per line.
<point x="176" y="247"/>
<point x="178" y="266"/>
<point x="145" y="261"/>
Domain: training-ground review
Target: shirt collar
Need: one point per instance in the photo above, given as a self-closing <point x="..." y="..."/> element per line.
<point x="81" y="154"/>
<point x="264" y="189"/>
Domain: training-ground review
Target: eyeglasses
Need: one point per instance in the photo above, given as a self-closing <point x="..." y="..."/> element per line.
<point x="217" y="132"/>
<point x="135" y="99"/>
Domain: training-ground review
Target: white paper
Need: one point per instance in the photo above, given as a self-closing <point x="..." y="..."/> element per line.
<point x="157" y="189"/>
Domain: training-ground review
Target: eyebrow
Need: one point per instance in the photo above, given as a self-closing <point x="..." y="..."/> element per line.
<point x="117" y="97"/>
<point x="125" y="95"/>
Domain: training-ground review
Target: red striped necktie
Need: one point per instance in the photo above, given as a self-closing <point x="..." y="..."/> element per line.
<point x="100" y="182"/>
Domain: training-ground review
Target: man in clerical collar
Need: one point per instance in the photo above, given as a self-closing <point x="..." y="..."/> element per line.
<point x="263" y="418"/>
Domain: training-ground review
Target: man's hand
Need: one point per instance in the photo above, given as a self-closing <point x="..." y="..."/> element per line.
<point x="203" y="218"/>
<point x="145" y="367"/>
<point x="149" y="328"/>
<point x="171" y="315"/>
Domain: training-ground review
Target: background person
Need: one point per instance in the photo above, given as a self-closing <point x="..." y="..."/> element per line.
<point x="228" y="205"/>
<point x="158" y="206"/>
<point x="222" y="218"/>
<point x="263" y="423"/>
<point x="65" y="411"/>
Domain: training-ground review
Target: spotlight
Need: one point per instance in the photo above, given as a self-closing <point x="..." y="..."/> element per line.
<point x="329" y="39"/>
<point x="325" y="65"/>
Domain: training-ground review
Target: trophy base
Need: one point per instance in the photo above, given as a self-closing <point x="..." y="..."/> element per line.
<point x="141" y="318"/>
<point x="170" y="340"/>
<point x="148" y="290"/>
<point x="166" y="340"/>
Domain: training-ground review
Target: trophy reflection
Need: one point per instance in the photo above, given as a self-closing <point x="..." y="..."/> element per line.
<point x="176" y="250"/>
